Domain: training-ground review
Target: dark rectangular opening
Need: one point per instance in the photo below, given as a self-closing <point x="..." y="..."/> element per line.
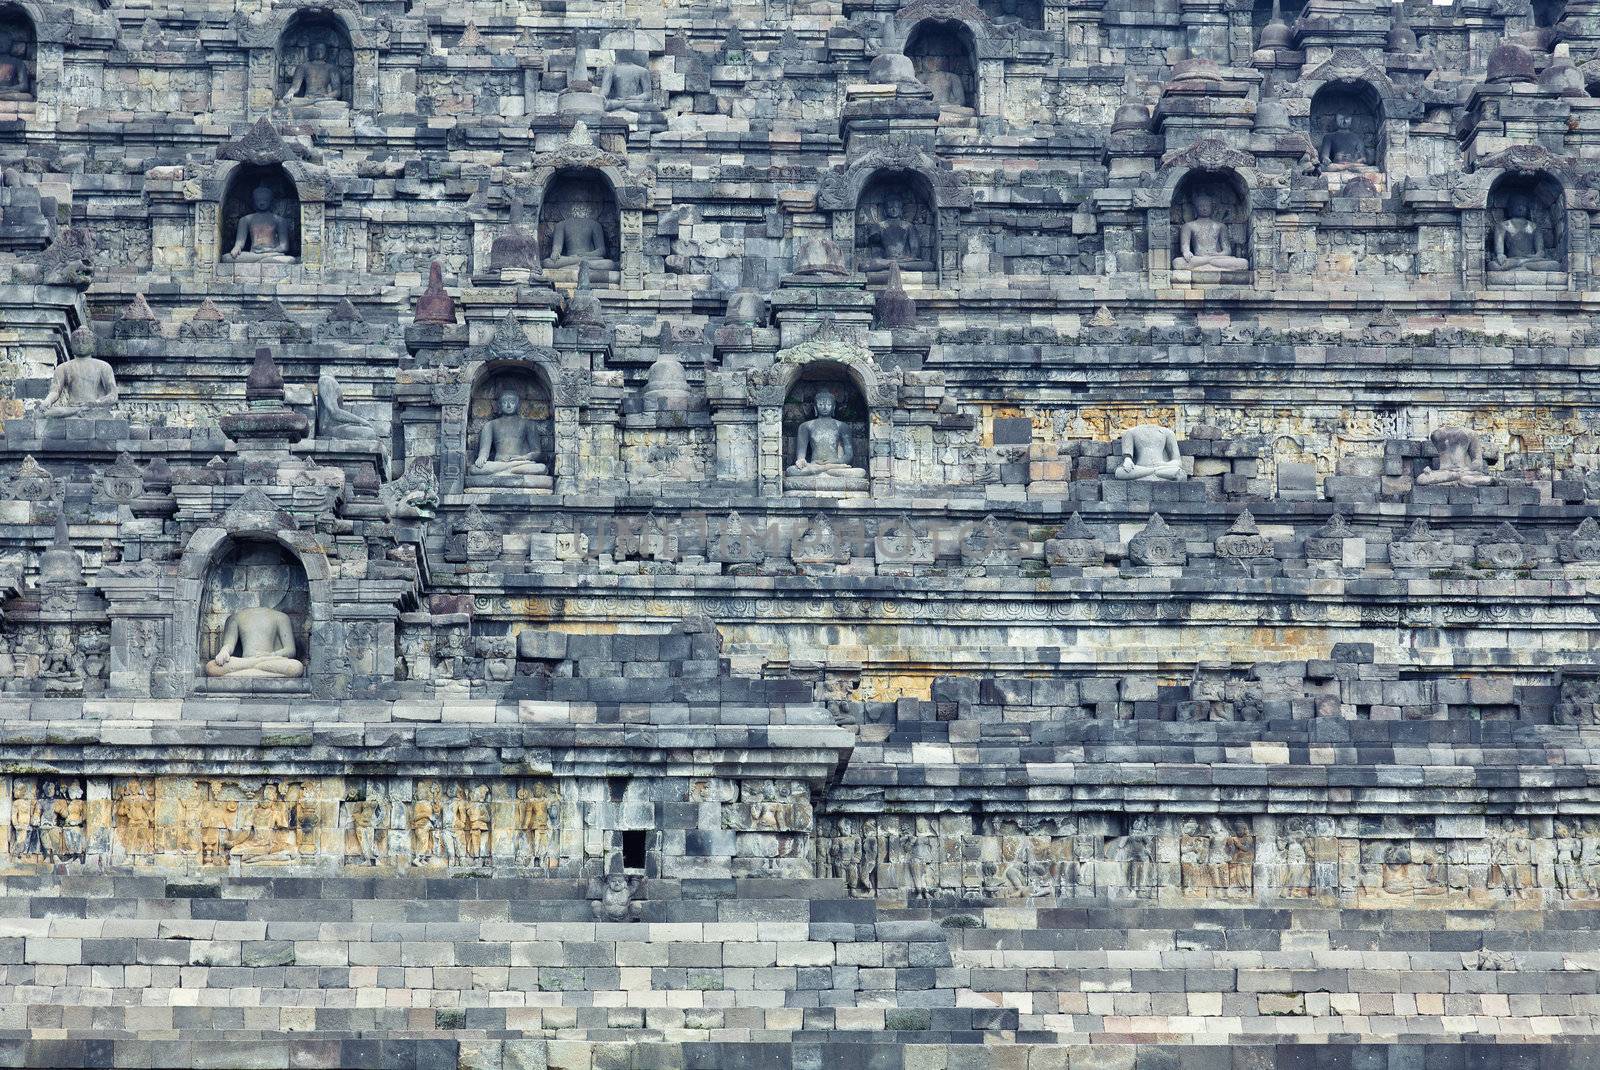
<point x="633" y="849"/>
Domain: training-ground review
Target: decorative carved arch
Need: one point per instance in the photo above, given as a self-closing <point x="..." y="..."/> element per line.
<point x="1207" y="154"/>
<point x="263" y="146"/>
<point x="510" y="347"/>
<point x="985" y="33"/>
<point x="1349" y="65"/>
<point x="264" y="33"/>
<point x="49" y="27"/>
<point x="1472" y="190"/>
<point x="773" y="387"/>
<point x="631" y="188"/>
<point x="841" y="188"/>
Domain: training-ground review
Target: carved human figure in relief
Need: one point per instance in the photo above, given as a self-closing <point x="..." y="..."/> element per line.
<point x="16" y="73"/>
<point x="508" y="443"/>
<point x="1150" y="453"/>
<point x="1519" y="240"/>
<point x="1203" y="241"/>
<point x="1342" y="148"/>
<point x="262" y="235"/>
<point x="823" y="455"/>
<point x="1461" y="460"/>
<point x="82" y="381"/>
<point x="316" y="78"/>
<point x="256" y="643"/>
<point x="579" y="239"/>
<point x="627" y="86"/>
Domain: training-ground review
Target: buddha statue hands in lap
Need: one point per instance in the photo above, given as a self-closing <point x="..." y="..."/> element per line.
<point x="1204" y="243"/>
<point x="579" y="239"/>
<point x="264" y="640"/>
<point x="16" y="74"/>
<point x="1342" y="148"/>
<point x="627" y="85"/>
<point x="83" y="381"/>
<point x="262" y="235"/>
<point x="1519" y="241"/>
<point x="949" y="89"/>
<point x="1150" y="453"/>
<point x="316" y="78"/>
<point x="898" y="240"/>
<point x="823" y="452"/>
<point x="1460" y="461"/>
<point x="507" y="444"/>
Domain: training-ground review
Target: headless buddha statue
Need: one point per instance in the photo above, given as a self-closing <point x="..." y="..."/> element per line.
<point x="256" y="644"/>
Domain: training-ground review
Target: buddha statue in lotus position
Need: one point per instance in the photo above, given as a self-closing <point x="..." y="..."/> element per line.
<point x="81" y="382"/>
<point x="1460" y="461"/>
<point x="316" y="78"/>
<point x="262" y="236"/>
<point x="507" y="446"/>
<point x="897" y="239"/>
<point x="1342" y="148"/>
<point x="627" y="85"/>
<point x="949" y="89"/>
<point x="16" y="73"/>
<point x="823" y="453"/>
<point x="1519" y="240"/>
<point x="256" y="644"/>
<point x="580" y="239"/>
<point x="1150" y="453"/>
<point x="1204" y="243"/>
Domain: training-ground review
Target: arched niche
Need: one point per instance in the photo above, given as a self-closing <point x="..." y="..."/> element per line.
<point x="243" y="201"/>
<point x="248" y="573"/>
<point x="1212" y="207"/>
<point x="1546" y="13"/>
<point x="896" y="222"/>
<point x="19" y="54"/>
<point x="1526" y="232"/>
<point x="945" y="58"/>
<point x="523" y="437"/>
<point x="316" y="59"/>
<point x="801" y="409"/>
<point x="579" y="223"/>
<point x="1025" y="13"/>
<point x="1347" y="126"/>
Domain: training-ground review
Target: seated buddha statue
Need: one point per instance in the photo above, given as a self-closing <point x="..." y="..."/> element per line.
<point x="315" y="79"/>
<point x="580" y="239"/>
<point x="1519" y="240"/>
<point x="262" y="236"/>
<point x="1342" y="148"/>
<point x="1150" y="453"/>
<point x="256" y="643"/>
<point x="1460" y="460"/>
<point x="507" y="446"/>
<point x="824" y="454"/>
<point x="897" y="240"/>
<point x="1204" y="243"/>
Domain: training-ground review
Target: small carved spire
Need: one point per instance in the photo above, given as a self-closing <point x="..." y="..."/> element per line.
<point x="435" y="306"/>
<point x="1401" y="37"/>
<point x="1276" y="34"/>
<point x="893" y="306"/>
<point x="583" y="307"/>
<point x="265" y="382"/>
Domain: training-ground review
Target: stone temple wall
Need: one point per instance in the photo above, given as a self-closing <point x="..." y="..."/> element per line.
<point x="943" y="535"/>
